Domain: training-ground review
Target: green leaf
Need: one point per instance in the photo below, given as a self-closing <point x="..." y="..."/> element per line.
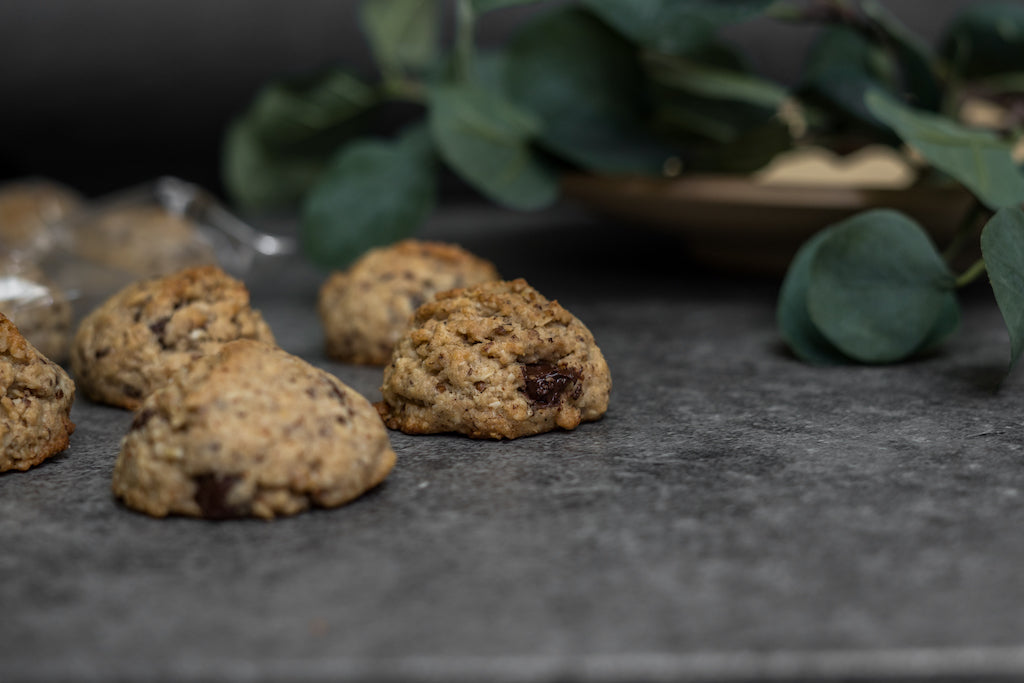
<point x="841" y="66"/>
<point x="486" y="140"/>
<point x="256" y="177"/>
<point x="585" y="83"/>
<point x="674" y="26"/>
<point x="719" y="83"/>
<point x="985" y="39"/>
<point x="402" y="33"/>
<point x="791" y="314"/>
<point x="481" y="6"/>
<point x="878" y="287"/>
<point x="275" y="150"/>
<point x="694" y="109"/>
<point x="1002" y="246"/>
<point x="977" y="158"/>
<point x="917" y="61"/>
<point x="945" y="325"/>
<point x="374" y="192"/>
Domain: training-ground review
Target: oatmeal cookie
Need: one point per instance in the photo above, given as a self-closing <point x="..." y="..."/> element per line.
<point x="35" y="402"/>
<point x="133" y="342"/>
<point x="250" y="431"/>
<point x="145" y="240"/>
<point x="494" y="361"/>
<point x="365" y="309"/>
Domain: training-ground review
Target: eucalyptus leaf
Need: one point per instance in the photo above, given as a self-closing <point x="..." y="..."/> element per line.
<point x="275" y="150"/>
<point x="693" y="107"/>
<point x="286" y="114"/>
<point x="1002" y="246"/>
<point x="402" y="33"/>
<point x="794" y="320"/>
<point x="374" y="192"/>
<point x="877" y="287"/>
<point x="719" y="83"/>
<point x="918" y="62"/>
<point x="945" y="325"/>
<point x="258" y="178"/>
<point x="482" y="6"/>
<point x="977" y="158"/>
<point x="486" y="140"/>
<point x="985" y="39"/>
<point x="584" y="81"/>
<point x="674" y="26"/>
<point x="841" y="66"/>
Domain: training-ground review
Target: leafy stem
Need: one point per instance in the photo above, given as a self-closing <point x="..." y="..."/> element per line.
<point x="976" y="270"/>
<point x="964" y="234"/>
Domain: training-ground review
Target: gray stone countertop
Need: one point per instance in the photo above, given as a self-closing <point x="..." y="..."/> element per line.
<point x="736" y="516"/>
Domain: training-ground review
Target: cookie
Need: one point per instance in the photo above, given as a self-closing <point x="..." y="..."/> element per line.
<point x="133" y="342"/>
<point x="29" y="212"/>
<point x="38" y="307"/>
<point x="142" y="239"/>
<point x="250" y="431"/>
<point x="365" y="309"/>
<point x="35" y="402"/>
<point x="494" y="361"/>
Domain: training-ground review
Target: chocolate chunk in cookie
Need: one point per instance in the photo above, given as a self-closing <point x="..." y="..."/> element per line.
<point x="35" y="402"/>
<point x="366" y="308"/>
<point x="134" y="342"/>
<point x="250" y="431"/>
<point x="494" y="361"/>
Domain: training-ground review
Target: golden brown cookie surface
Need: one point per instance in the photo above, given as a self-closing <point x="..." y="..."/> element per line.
<point x="494" y="361"/>
<point x="139" y="337"/>
<point x="35" y="402"/>
<point x="365" y="309"/>
<point x="215" y="442"/>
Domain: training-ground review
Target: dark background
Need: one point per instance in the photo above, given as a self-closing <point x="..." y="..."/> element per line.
<point x="108" y="93"/>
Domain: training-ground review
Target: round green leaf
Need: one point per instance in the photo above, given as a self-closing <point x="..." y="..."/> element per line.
<point x="584" y="82"/>
<point x="877" y="286"/>
<point x="486" y="140"/>
<point x="1002" y="246"/>
<point x="374" y="192"/>
<point x="794" y="320"/>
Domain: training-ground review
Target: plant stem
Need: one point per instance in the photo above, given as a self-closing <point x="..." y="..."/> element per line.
<point x="964" y="232"/>
<point x="971" y="274"/>
<point x="465" y="18"/>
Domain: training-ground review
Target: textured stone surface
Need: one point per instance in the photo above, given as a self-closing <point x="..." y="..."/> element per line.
<point x="735" y="515"/>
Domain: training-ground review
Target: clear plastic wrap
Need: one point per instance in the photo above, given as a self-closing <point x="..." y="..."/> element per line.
<point x="60" y="256"/>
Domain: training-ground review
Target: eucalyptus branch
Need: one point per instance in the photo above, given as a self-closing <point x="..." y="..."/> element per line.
<point x="964" y="234"/>
<point x="976" y="270"/>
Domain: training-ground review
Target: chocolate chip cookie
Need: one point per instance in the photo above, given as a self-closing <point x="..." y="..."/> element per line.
<point x="134" y="341"/>
<point x="35" y="402"/>
<point x="250" y="431"/>
<point x="365" y="309"/>
<point x="494" y="361"/>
